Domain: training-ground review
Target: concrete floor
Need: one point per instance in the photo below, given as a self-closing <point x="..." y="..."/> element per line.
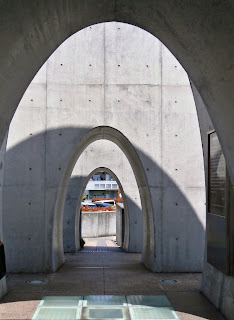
<point x="101" y="268"/>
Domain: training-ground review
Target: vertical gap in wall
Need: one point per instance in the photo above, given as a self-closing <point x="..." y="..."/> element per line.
<point x="161" y="147"/>
<point x="2" y="155"/>
<point x="44" y="191"/>
<point x="103" y="275"/>
<point x="124" y="202"/>
<point x="104" y="76"/>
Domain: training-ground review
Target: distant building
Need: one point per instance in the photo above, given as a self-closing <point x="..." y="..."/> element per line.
<point x="102" y="185"/>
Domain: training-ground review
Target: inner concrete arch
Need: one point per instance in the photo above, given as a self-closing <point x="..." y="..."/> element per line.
<point x="108" y="133"/>
<point x="104" y="154"/>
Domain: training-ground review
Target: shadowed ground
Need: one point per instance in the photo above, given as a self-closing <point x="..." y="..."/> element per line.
<point x="101" y="268"/>
<point x="104" y="244"/>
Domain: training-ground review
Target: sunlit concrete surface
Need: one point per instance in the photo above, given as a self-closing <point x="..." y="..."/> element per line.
<point x="106" y="273"/>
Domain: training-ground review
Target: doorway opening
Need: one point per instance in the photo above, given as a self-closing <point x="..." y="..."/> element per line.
<point x="98" y="213"/>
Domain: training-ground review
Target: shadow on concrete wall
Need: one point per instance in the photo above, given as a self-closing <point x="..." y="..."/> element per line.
<point x="178" y="236"/>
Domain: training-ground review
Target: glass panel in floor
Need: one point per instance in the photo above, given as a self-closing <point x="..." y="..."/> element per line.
<point x="112" y="307"/>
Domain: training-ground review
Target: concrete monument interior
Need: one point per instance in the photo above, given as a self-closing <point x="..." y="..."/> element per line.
<point x="144" y="92"/>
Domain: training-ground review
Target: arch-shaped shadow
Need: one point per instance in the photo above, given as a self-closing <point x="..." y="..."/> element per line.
<point x="41" y="227"/>
<point x="108" y="133"/>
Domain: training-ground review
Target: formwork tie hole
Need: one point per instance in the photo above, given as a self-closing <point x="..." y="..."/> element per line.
<point x="169" y="281"/>
<point x="35" y="281"/>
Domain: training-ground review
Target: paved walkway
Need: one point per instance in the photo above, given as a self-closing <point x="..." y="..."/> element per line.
<point x="106" y="273"/>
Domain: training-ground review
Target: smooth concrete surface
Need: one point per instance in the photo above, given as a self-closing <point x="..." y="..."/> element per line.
<point x="107" y="156"/>
<point x="106" y="273"/>
<point x="98" y="224"/>
<point x="218" y="287"/>
<point x="117" y="82"/>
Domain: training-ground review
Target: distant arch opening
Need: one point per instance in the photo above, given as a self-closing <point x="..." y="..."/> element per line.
<point x="96" y="216"/>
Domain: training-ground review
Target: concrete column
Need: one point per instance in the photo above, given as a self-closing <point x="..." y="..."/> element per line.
<point x="216" y="286"/>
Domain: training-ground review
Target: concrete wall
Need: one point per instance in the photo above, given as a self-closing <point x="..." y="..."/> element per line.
<point x="105" y="154"/>
<point x="119" y="76"/>
<point x="98" y="224"/>
<point x="216" y="286"/>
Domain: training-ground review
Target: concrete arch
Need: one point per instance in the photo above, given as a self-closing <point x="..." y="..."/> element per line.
<point x="43" y="26"/>
<point x="126" y="222"/>
<point x="103" y="154"/>
<point x="143" y="113"/>
<point x="108" y="133"/>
